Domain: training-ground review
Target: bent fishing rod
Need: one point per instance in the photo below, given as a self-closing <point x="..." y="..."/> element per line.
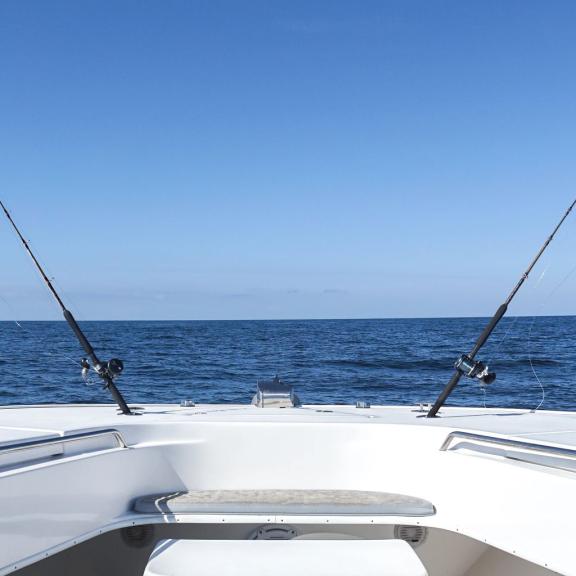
<point x="108" y="371"/>
<point x="466" y="365"/>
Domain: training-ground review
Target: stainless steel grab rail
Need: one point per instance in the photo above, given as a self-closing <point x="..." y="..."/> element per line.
<point x="30" y="444"/>
<point x="508" y="442"/>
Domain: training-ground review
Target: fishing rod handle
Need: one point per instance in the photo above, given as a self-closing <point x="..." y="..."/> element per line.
<point x="80" y="335"/>
<point x="489" y="329"/>
<point x="445" y="393"/>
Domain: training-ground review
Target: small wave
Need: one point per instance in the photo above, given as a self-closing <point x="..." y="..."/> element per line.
<point x="380" y="361"/>
<point x="393" y="364"/>
<point x="526" y="362"/>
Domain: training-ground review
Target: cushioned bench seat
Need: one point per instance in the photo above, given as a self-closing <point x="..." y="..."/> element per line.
<point x="321" y="502"/>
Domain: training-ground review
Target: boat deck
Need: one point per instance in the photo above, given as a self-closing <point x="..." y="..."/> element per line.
<point x="18" y="423"/>
<point x="498" y="477"/>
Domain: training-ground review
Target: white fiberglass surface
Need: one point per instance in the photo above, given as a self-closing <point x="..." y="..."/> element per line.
<point x="284" y="558"/>
<point x="126" y="552"/>
<point x="502" y="504"/>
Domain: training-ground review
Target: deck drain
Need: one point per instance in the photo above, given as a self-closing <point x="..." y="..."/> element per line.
<point x="274" y="532"/>
<point x="414" y="535"/>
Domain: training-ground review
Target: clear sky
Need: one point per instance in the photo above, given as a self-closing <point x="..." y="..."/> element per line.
<point x="187" y="159"/>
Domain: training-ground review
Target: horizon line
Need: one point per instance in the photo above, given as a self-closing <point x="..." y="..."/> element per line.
<point x="371" y="318"/>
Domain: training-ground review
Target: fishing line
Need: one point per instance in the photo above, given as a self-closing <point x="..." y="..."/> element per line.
<point x="542" y="389"/>
<point x="37" y="340"/>
<point x="530" y="340"/>
<point x="34" y="337"/>
<point x="278" y="351"/>
<point x="513" y="323"/>
<point x="497" y="349"/>
<point x="107" y="371"/>
<point x="507" y="333"/>
<point x="466" y="364"/>
<point x="510" y="328"/>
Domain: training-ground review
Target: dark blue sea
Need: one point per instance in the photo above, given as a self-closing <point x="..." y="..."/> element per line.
<point x="327" y="361"/>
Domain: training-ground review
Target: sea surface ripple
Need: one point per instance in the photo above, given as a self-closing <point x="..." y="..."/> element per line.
<point x="394" y="361"/>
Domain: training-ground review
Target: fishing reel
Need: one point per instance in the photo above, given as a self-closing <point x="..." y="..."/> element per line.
<point x="111" y="369"/>
<point x="474" y="369"/>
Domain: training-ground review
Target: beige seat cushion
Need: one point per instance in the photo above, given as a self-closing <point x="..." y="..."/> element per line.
<point x="321" y="502"/>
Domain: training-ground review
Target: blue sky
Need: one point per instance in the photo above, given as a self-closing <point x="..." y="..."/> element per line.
<point x="286" y="159"/>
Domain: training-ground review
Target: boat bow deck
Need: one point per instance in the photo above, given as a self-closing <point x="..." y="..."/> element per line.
<point x="311" y="464"/>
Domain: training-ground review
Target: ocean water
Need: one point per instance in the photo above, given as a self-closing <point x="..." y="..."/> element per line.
<point x="327" y="361"/>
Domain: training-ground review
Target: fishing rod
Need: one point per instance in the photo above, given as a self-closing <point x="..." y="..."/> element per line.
<point x="466" y="365"/>
<point x="108" y="371"/>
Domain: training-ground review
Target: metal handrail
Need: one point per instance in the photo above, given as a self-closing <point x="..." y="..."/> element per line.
<point x="508" y="442"/>
<point x="30" y="444"/>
